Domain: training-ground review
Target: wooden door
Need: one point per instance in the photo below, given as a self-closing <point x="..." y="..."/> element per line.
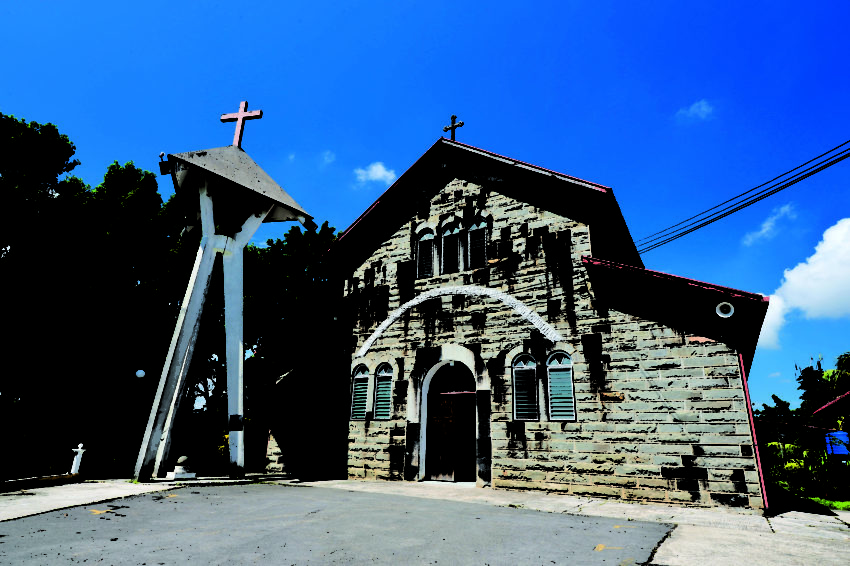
<point x="451" y="436"/>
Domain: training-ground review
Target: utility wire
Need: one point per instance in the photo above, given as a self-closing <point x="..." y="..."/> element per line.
<point x="829" y="162"/>
<point x="648" y="239"/>
<point x="742" y="194"/>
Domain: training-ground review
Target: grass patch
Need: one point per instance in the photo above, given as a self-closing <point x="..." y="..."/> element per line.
<point x="840" y="505"/>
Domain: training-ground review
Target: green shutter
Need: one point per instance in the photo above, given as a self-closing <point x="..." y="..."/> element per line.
<point x="383" y="397"/>
<point x="561" y="395"/>
<point x="525" y="394"/>
<point x="358" y="398"/>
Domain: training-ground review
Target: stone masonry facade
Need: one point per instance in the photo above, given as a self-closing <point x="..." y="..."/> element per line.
<point x="660" y="414"/>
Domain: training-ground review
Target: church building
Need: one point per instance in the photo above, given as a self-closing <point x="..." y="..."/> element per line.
<point x="504" y="331"/>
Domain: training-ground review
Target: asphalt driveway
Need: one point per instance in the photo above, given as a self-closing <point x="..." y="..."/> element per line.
<point x="274" y="524"/>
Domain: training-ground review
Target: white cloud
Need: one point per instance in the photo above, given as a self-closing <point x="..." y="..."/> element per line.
<point x="328" y="157"/>
<point x="818" y="287"/>
<point x="375" y="172"/>
<point x="699" y="110"/>
<point x="773" y="321"/>
<point x="292" y="157"/>
<point x="768" y="227"/>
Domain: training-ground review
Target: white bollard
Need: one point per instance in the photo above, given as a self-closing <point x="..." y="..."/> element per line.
<point x="75" y="467"/>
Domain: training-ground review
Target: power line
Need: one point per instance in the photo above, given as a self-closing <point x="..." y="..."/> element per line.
<point x="703" y="219"/>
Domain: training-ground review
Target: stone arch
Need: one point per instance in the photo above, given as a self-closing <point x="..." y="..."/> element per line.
<point x="518" y="307"/>
<point x="449" y="354"/>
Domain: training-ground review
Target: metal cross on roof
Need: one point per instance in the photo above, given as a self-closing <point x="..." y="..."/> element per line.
<point x="240" y="117"/>
<point x="453" y="127"/>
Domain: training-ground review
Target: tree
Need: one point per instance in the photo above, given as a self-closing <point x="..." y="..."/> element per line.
<point x="792" y="442"/>
<point x="81" y="275"/>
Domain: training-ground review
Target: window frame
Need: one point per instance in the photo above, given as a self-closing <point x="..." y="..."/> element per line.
<point x="533" y="386"/>
<point x="480" y="223"/>
<point x="360" y="374"/>
<point x="456" y="235"/>
<point x="560" y="366"/>
<point x="426" y="236"/>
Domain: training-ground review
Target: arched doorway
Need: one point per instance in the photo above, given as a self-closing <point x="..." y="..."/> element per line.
<point x="451" y="425"/>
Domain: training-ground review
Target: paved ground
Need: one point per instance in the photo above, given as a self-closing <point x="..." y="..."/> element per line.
<point x="275" y="524"/>
<point x="392" y="523"/>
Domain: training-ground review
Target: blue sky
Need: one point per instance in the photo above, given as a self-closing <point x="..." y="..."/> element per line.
<point x="676" y="105"/>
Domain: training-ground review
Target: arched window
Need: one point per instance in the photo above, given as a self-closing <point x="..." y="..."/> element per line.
<point x="425" y="256"/>
<point x="452" y="253"/>
<point x="525" y="389"/>
<point x="562" y="399"/>
<point x="478" y="244"/>
<point x="359" y="392"/>
<point x="383" y="392"/>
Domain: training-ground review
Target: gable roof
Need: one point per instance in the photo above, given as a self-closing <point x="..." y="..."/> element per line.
<point x="681" y="303"/>
<point x="446" y="160"/>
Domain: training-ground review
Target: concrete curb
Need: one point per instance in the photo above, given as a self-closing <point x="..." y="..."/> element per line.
<point x="44" y="481"/>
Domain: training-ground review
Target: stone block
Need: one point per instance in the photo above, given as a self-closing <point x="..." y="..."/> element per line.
<point x="666" y="449"/>
<point x="665" y="460"/>
<point x="680" y="373"/>
<point x="712" y="406"/>
<point x="638" y="428"/>
<point x="663" y="364"/>
<point x="638" y="470"/>
<point x="724" y="393"/>
<point x="652" y="417"/>
<point x="720" y="462"/>
<point x="725" y="417"/>
<point x="595" y="490"/>
<point x="706" y="428"/>
<point x="717" y="450"/>
<point x="685" y="417"/>
<point x="670" y="428"/>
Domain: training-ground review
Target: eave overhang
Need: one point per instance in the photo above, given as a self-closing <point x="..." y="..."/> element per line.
<point x="684" y="304"/>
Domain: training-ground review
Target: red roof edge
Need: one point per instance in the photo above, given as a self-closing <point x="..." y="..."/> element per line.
<point x="833" y="402"/>
<point x="753" y="429"/>
<point x="588" y="260"/>
<point x="597" y="186"/>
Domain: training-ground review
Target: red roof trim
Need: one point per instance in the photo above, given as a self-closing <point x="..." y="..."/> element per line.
<point x="587" y="260"/>
<point x="752" y="428"/>
<point x="834" y="401"/>
<point x="597" y="186"/>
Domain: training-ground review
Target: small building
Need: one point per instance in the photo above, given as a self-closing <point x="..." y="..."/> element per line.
<point x="504" y="331"/>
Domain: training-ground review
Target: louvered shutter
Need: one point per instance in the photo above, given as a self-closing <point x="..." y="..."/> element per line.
<point x="562" y="403"/>
<point x="561" y="396"/>
<point x="383" y="397"/>
<point x="358" y="398"/>
<point x="525" y="394"/>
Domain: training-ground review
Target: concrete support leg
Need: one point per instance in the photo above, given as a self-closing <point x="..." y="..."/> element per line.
<point x="235" y="355"/>
<point x="156" y="442"/>
<point x="232" y="260"/>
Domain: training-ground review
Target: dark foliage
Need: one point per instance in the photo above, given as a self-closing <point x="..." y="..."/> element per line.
<point x="792" y="441"/>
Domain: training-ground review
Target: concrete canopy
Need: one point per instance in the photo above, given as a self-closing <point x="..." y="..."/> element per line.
<point x="233" y="170"/>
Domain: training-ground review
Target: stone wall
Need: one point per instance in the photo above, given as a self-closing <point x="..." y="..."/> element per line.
<point x="660" y="413"/>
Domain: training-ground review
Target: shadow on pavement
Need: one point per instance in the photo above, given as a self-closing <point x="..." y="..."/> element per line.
<point x="783" y="501"/>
